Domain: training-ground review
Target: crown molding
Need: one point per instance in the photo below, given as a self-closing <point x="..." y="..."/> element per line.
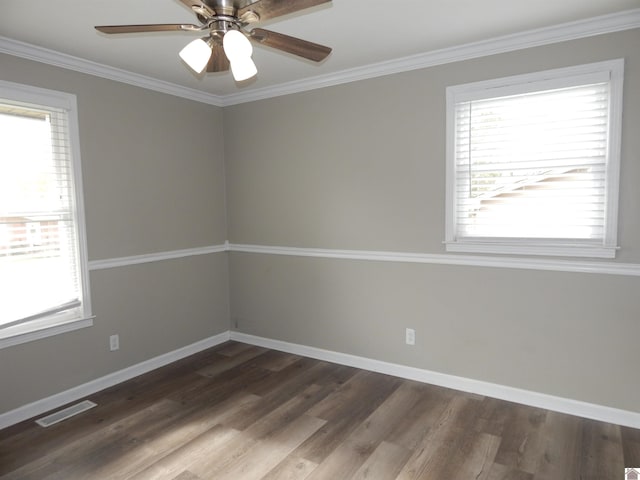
<point x="57" y="59"/>
<point x="615" y="22"/>
<point x="625" y="20"/>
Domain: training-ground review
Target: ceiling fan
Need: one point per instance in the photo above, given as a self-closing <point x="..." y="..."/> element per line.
<point x="226" y="45"/>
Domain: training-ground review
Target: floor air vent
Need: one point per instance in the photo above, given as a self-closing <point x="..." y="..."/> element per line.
<point x="65" y="413"/>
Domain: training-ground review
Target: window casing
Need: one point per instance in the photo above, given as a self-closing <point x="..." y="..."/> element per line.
<point x="43" y="262"/>
<point x="533" y="163"/>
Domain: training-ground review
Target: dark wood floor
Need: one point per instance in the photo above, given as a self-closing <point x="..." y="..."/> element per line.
<point x="240" y="412"/>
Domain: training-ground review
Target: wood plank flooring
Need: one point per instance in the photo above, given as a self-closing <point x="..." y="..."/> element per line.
<point x="240" y="412"/>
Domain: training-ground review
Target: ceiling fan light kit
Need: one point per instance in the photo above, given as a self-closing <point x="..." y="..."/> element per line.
<point x="238" y="50"/>
<point x="196" y="54"/>
<point x="243" y="69"/>
<point x="228" y="45"/>
<point x="236" y="45"/>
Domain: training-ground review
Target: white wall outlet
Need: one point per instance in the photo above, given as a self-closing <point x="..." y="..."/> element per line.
<point x="114" y="342"/>
<point x="410" y="336"/>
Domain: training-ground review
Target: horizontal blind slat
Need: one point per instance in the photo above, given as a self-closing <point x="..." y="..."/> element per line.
<point x="39" y="270"/>
<point x="532" y="165"/>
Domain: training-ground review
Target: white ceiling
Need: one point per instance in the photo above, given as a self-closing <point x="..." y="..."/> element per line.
<point x="361" y="33"/>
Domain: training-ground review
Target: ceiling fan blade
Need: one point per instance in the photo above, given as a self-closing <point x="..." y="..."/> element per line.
<point x="293" y="45"/>
<point x="158" y="27"/>
<point x="267" y="9"/>
<point x="218" y="61"/>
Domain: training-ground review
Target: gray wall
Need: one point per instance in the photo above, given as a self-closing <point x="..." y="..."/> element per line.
<point x="362" y="166"/>
<point x="152" y="183"/>
<point x="356" y="166"/>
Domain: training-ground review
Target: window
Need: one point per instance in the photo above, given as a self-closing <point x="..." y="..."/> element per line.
<point x="43" y="265"/>
<point x="533" y="163"/>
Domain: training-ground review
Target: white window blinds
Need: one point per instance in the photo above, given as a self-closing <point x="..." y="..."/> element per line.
<point x="532" y="163"/>
<point x="40" y="264"/>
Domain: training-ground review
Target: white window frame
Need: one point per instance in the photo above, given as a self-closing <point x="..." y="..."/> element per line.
<point x="56" y="323"/>
<point x="540" y="81"/>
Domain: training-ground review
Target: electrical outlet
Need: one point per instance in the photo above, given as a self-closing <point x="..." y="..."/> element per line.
<point x="114" y="342"/>
<point x="410" y="336"/>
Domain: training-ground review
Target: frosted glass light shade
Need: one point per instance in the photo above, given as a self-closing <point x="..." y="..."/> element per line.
<point x="238" y="50"/>
<point x="243" y="69"/>
<point x="236" y="45"/>
<point x="196" y="54"/>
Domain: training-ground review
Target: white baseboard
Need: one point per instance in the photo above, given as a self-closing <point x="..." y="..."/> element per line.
<point x="525" y="397"/>
<point x="59" y="399"/>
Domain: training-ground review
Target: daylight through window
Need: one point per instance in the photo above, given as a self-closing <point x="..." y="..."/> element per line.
<point x="42" y="267"/>
<point x="533" y="163"/>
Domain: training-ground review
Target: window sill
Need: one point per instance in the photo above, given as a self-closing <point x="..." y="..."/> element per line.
<point x="532" y="248"/>
<point x="37" y="330"/>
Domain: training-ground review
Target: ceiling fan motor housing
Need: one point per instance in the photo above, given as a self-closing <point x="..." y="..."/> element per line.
<point x="217" y="17"/>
